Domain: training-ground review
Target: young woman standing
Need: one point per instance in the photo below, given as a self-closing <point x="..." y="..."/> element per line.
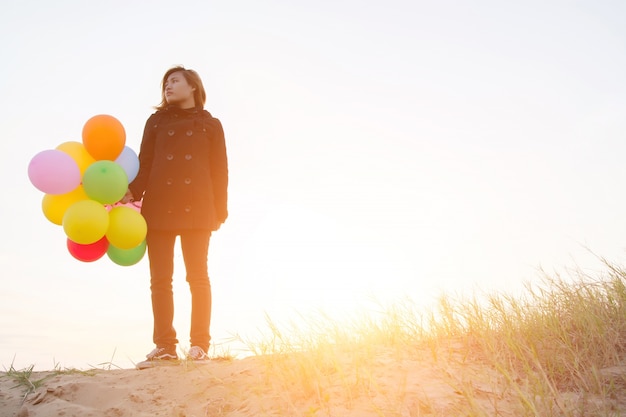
<point x="183" y="181"/>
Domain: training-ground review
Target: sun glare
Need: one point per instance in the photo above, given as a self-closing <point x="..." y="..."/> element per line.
<point x="297" y="260"/>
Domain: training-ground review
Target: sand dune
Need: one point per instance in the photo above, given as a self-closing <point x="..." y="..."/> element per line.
<point x="378" y="383"/>
<point x="391" y="384"/>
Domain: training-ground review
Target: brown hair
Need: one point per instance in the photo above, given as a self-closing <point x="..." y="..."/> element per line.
<point x="192" y="78"/>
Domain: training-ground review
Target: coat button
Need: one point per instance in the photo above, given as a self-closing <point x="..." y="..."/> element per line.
<point x="187" y="209"/>
<point x="188" y="157"/>
<point x="171" y="132"/>
<point x="187" y="181"/>
<point x="170" y="157"/>
<point x="189" y="132"/>
<point x="169" y="181"/>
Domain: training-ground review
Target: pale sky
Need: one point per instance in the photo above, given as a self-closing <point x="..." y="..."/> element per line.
<point x="377" y="150"/>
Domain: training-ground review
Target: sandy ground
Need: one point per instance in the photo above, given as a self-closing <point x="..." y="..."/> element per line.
<point x="351" y="384"/>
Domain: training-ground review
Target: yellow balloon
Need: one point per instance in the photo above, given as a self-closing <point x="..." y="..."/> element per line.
<point x="85" y="222"/>
<point x="127" y="228"/>
<point x="79" y="153"/>
<point x="54" y="206"/>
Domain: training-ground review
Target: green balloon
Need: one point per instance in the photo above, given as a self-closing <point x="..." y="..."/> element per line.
<point x="105" y="181"/>
<point x="126" y="257"/>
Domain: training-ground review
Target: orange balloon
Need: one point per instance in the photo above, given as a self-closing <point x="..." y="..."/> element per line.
<point x="104" y="137"/>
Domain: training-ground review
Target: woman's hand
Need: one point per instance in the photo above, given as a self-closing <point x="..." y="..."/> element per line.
<point x="128" y="197"/>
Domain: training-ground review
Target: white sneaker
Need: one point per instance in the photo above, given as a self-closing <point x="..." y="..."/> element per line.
<point x="196" y="354"/>
<point x="159" y="357"/>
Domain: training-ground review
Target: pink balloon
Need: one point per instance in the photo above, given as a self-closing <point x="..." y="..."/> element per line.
<point x="54" y="172"/>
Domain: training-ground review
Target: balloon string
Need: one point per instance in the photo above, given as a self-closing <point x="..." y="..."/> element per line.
<point x="136" y="204"/>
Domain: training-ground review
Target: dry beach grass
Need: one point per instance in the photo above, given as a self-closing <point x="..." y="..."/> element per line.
<point x="557" y="350"/>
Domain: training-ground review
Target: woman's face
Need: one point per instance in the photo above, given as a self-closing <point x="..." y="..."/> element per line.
<point x="178" y="91"/>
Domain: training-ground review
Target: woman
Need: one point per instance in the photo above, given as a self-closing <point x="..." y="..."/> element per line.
<point x="182" y="180"/>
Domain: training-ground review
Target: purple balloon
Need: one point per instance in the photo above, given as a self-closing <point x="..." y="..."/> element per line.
<point x="129" y="162"/>
<point x="54" y="172"/>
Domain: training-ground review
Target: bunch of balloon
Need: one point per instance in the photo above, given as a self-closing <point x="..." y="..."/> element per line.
<point x="83" y="183"/>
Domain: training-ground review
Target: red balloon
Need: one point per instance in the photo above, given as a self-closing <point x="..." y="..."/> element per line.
<point x="88" y="253"/>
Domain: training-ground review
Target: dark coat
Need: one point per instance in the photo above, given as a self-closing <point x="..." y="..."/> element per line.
<point x="183" y="171"/>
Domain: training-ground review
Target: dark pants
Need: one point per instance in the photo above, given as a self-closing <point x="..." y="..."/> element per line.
<point x="195" y="248"/>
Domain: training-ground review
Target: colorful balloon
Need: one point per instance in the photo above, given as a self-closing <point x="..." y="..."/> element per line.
<point x="126" y="257"/>
<point x="127" y="228"/>
<point x="105" y="182"/>
<point x="129" y="161"/>
<point x="85" y="222"/>
<point x="54" y="206"/>
<point x="88" y="253"/>
<point x="78" y="152"/>
<point x="53" y="172"/>
<point x="104" y="137"/>
<point x="83" y="184"/>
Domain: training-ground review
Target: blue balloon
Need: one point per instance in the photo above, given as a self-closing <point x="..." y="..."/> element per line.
<point x="129" y="162"/>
